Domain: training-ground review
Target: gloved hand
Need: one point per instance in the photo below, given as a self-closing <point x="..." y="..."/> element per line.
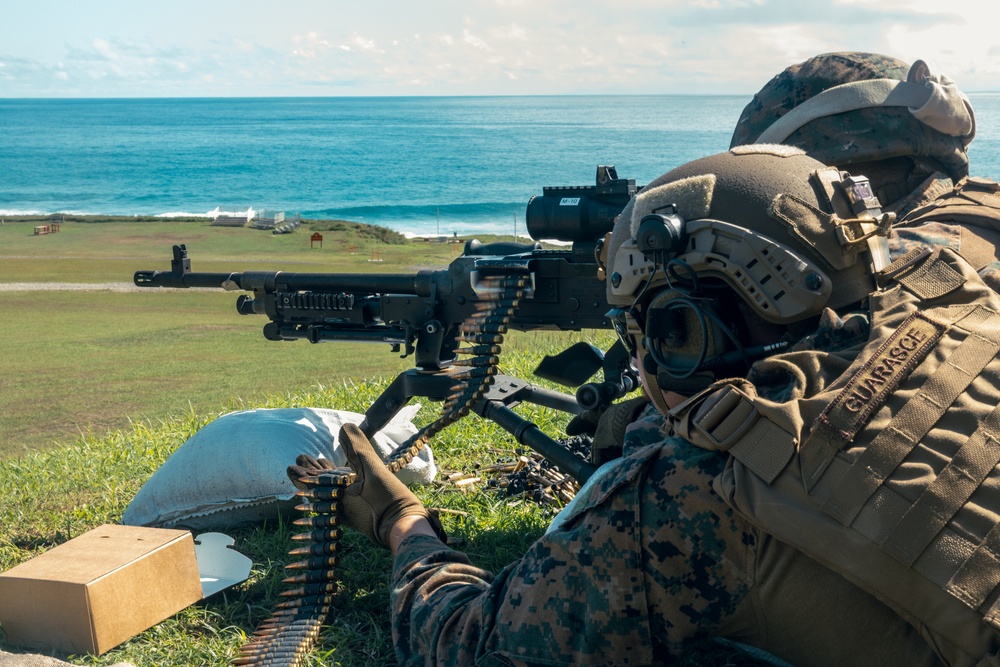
<point x="585" y="423"/>
<point x="377" y="499"/>
<point x="308" y="466"/>
<point x="609" y="436"/>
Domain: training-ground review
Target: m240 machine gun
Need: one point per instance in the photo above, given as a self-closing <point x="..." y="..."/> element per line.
<point x="453" y="320"/>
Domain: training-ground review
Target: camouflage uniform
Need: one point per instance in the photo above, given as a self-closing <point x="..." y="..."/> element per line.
<point x="872" y="135"/>
<point x="645" y="561"/>
<point x="862" y="135"/>
<point x="649" y="559"/>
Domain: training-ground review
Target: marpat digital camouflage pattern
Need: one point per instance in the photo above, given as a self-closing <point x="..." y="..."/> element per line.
<point x="863" y="135"/>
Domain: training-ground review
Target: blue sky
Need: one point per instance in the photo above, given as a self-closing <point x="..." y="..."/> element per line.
<point x="114" y="48"/>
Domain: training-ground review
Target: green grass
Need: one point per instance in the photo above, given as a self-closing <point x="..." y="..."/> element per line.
<point x="91" y="253"/>
<point x="97" y="389"/>
<point x="52" y="496"/>
<point x="87" y="362"/>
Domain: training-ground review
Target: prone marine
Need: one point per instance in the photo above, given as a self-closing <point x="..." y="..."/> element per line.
<point x="817" y="473"/>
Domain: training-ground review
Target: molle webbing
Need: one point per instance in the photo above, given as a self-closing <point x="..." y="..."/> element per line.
<point x="858" y="493"/>
<point x="896" y="490"/>
<point x="974" y="201"/>
<point x="862" y="478"/>
<point x="895" y="474"/>
<point x="917" y="533"/>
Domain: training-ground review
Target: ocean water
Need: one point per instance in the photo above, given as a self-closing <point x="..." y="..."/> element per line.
<point x="418" y="165"/>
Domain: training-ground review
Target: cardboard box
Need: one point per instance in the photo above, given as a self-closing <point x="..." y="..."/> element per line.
<point x="99" y="589"/>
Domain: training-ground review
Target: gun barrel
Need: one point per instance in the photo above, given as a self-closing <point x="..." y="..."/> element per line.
<point x="375" y="283"/>
<point x="179" y="280"/>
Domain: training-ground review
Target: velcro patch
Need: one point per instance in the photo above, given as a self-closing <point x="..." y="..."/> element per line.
<point x="881" y="374"/>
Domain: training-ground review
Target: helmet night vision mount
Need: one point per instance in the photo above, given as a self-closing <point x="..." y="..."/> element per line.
<point x="760" y="231"/>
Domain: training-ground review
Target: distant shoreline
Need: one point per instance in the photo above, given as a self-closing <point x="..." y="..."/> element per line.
<point x="380" y="233"/>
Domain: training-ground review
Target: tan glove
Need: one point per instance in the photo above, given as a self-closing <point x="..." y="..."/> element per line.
<point x="377" y="499"/>
<point x="308" y="466"/>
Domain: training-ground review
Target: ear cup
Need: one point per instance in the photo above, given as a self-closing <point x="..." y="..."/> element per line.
<point x="682" y="333"/>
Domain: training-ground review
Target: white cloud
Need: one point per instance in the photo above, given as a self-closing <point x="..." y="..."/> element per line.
<point x="513" y="32"/>
<point x="493" y="47"/>
<point x="103" y="48"/>
<point x="474" y="41"/>
<point x="365" y="43"/>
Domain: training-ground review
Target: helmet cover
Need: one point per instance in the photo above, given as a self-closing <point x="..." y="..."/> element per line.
<point x="940" y="128"/>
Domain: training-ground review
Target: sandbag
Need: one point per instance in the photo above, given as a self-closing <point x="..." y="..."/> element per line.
<point x="232" y="471"/>
<point x="37" y="660"/>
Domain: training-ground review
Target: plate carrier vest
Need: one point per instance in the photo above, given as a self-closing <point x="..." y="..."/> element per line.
<point x="886" y="465"/>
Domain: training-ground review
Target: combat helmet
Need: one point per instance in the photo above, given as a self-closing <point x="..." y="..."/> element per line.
<point x="761" y="233"/>
<point x="850" y="108"/>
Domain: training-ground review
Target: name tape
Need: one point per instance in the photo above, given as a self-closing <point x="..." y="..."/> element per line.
<point x="881" y="374"/>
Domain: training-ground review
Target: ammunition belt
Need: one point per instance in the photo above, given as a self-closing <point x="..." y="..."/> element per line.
<point x="289" y="634"/>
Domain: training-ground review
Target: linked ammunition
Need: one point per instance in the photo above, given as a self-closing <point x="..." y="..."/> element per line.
<point x="301" y="611"/>
<point x="342" y="477"/>
<point x="310" y="601"/>
<point x="479" y="350"/>
<point x="311" y="589"/>
<point x="481" y="339"/>
<point x="319" y="521"/>
<point x="321" y="493"/>
<point x="316" y="563"/>
<point x="473" y="373"/>
<point x="317" y="508"/>
<point x="311" y="577"/>
<point x="484" y="327"/>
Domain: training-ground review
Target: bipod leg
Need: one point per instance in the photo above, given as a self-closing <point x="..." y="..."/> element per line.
<point x="435" y="385"/>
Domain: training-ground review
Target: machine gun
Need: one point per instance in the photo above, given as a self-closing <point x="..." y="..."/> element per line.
<point x="452" y="320"/>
